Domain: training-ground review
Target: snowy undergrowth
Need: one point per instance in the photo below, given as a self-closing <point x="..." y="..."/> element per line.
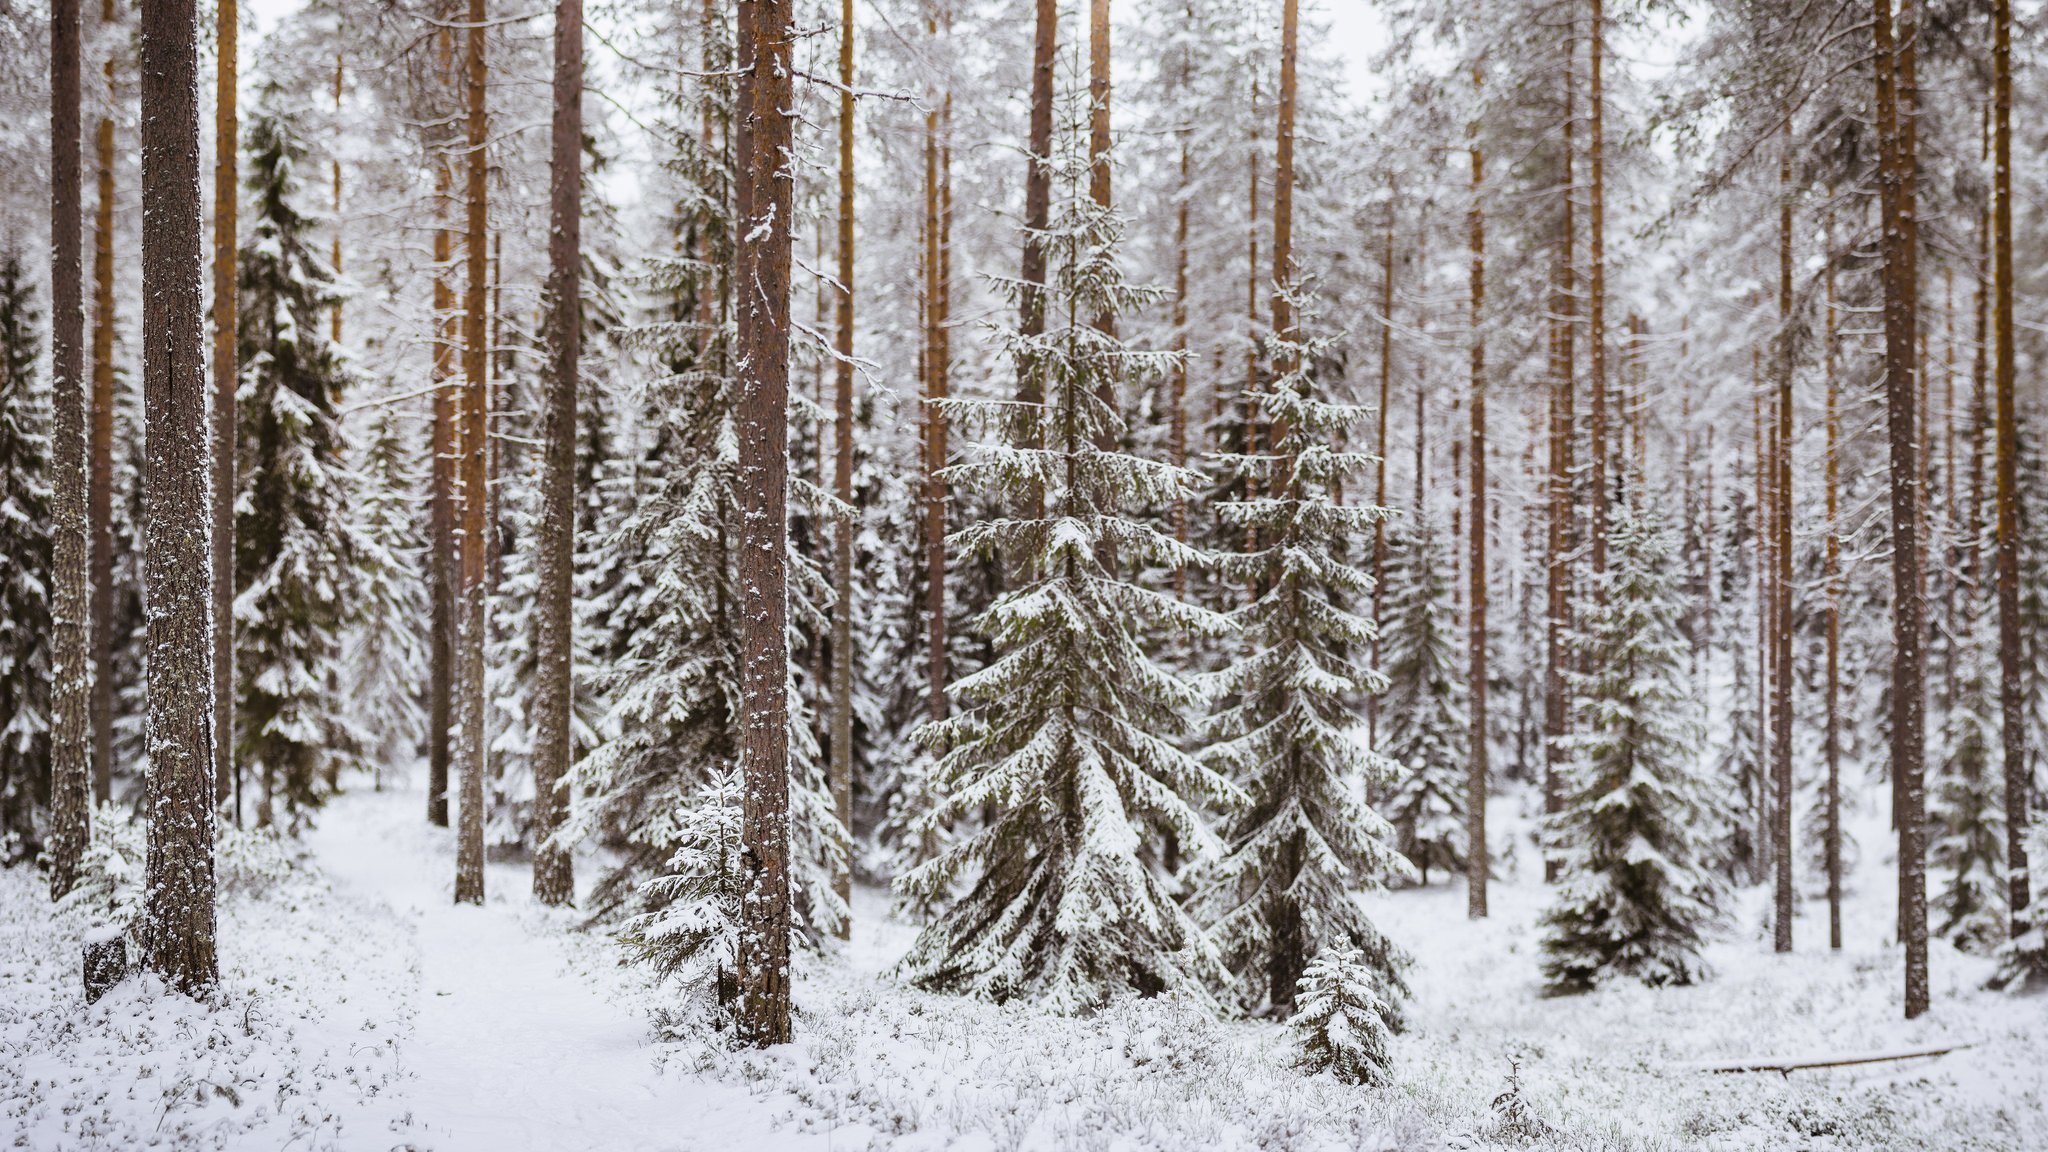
<point x="878" y="1065"/>
<point x="301" y="1045"/>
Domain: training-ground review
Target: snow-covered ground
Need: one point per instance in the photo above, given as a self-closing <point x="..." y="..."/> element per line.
<point x="360" y="1009"/>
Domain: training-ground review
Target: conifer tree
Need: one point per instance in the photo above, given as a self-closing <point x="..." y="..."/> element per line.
<point x="25" y="574"/>
<point x="1424" y="724"/>
<point x="387" y="652"/>
<point x="296" y="546"/>
<point x="1063" y="740"/>
<point x="1637" y="890"/>
<point x="1967" y="837"/>
<point x="1288" y="734"/>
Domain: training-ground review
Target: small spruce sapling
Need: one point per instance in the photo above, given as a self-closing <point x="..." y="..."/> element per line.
<point x="1340" y="1019"/>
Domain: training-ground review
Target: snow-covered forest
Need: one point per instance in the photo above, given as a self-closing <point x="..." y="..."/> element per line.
<point x="1023" y="575"/>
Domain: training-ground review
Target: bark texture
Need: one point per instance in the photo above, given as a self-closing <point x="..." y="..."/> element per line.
<point x="178" y="917"/>
<point x="841" y="768"/>
<point x="474" y="427"/>
<point x="1477" y="865"/>
<point x="226" y="139"/>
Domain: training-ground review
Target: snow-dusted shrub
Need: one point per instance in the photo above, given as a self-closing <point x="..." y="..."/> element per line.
<point x="253" y="861"/>
<point x="1341" y="1019"/>
<point x="1514" y="1119"/>
<point x="693" y="930"/>
<point x="109" y="888"/>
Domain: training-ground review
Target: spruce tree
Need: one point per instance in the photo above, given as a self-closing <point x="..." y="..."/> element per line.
<point x="1063" y="741"/>
<point x="296" y="542"/>
<point x="1968" y="831"/>
<point x="387" y="651"/>
<point x="1288" y="733"/>
<point x="1634" y="832"/>
<point x="1423" y="720"/>
<point x="25" y="572"/>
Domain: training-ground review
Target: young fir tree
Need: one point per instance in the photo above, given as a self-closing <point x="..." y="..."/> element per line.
<point x="296" y="542"/>
<point x="1635" y="829"/>
<point x="673" y="726"/>
<point x="1341" y="1022"/>
<point x="387" y="651"/>
<point x="1968" y="830"/>
<point x="25" y="571"/>
<point x="1062" y="741"/>
<point x="1422" y="713"/>
<point x="1288" y="733"/>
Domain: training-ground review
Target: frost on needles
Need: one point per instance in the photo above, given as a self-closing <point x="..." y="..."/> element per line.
<point x="1064" y="739"/>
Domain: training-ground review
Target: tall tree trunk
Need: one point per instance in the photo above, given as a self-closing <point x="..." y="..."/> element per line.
<point x="441" y="563"/>
<point x="1251" y="311"/>
<point x="842" y="472"/>
<point x="1596" y="276"/>
<point x="226" y="189"/>
<point x="1562" y="547"/>
<point x="1781" y="607"/>
<point x="936" y="291"/>
<point x="1896" y="159"/>
<point x="1831" y="576"/>
<point x="2011" y="669"/>
<point x="1379" y="491"/>
<point x="1099" y="191"/>
<point x="178" y="921"/>
<point x="1283" y="191"/>
<point x="554" y="881"/>
<point x="100" y="498"/>
<point x="1037" y="215"/>
<point x="70" y="673"/>
<point x="1477" y="864"/>
<point x="762" y="267"/>
<point x="1178" y="416"/>
<point x="1766" y="619"/>
<point x="334" y="317"/>
<point x="474" y="411"/>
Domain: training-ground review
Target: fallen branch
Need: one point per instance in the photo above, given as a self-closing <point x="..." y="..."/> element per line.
<point x="1787" y="1067"/>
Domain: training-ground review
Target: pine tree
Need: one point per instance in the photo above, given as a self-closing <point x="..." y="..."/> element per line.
<point x="25" y="573"/>
<point x="297" y="553"/>
<point x="1423" y="720"/>
<point x="1288" y="734"/>
<point x="1637" y="890"/>
<point x="1063" y="739"/>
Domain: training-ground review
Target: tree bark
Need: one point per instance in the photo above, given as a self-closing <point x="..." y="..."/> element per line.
<point x="762" y="268"/>
<point x="842" y="471"/>
<point x="1596" y="278"/>
<point x="1781" y="690"/>
<point x="937" y="290"/>
<point x="475" y="415"/>
<point x="1379" y="491"/>
<point x="1563" y="428"/>
<point x="2011" y="667"/>
<point x="178" y="927"/>
<point x="1831" y="576"/>
<point x="334" y="317"/>
<point x="1896" y="149"/>
<point x="1178" y="414"/>
<point x="1037" y="215"/>
<point x="554" y="880"/>
<point x="1283" y="191"/>
<point x="226" y="437"/>
<point x="1477" y="864"/>
<point x="70" y="673"/>
<point x="100" y="497"/>
<point x="441" y="562"/>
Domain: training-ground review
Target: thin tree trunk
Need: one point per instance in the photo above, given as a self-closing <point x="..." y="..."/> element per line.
<point x="1896" y="158"/>
<point x="226" y="437"/>
<point x="475" y="424"/>
<point x="1831" y="575"/>
<point x="2011" y="669"/>
<point x="936" y="291"/>
<point x="762" y="266"/>
<point x="334" y="317"/>
<point x="1477" y="864"/>
<point x="1178" y="416"/>
<point x="178" y="918"/>
<point x="1283" y="196"/>
<point x="554" y="880"/>
<point x="1252" y="436"/>
<point x="441" y="561"/>
<point x="1596" y="274"/>
<point x="70" y="673"/>
<point x="1563" y="428"/>
<point x="100" y="498"/>
<point x="842" y="472"/>
<point x="1766" y="651"/>
<point x="1781" y="704"/>
<point x="1037" y="216"/>
<point x="1379" y="493"/>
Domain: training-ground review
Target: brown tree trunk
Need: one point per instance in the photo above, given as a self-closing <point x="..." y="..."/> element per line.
<point x="1831" y="575"/>
<point x="1283" y="191"/>
<point x="1781" y="606"/>
<point x="1896" y="159"/>
<point x="1561" y="546"/>
<point x="1037" y="215"/>
<point x="178" y="920"/>
<point x="226" y="437"/>
<point x="554" y="880"/>
<point x="762" y="268"/>
<point x="70" y="672"/>
<point x="334" y="318"/>
<point x="441" y="560"/>
<point x="1178" y="416"/>
<point x="1379" y="491"/>
<point x="842" y="472"/>
<point x="1252" y="435"/>
<point x="936" y="292"/>
<point x="100" y="497"/>
<point x="475" y="423"/>
<point x="2011" y="669"/>
<point x="1477" y="864"/>
<point x="1596" y="277"/>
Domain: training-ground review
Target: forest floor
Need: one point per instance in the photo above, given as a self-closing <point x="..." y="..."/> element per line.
<point x="360" y="1009"/>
